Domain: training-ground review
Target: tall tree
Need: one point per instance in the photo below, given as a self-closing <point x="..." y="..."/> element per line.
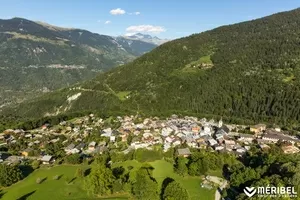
<point x="145" y="187"/>
<point x="180" y="166"/>
<point x="9" y="174"/>
<point x="99" y="181"/>
<point x="174" y="191"/>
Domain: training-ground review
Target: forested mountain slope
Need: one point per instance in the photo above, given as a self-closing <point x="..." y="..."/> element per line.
<point x="36" y="57"/>
<point x="249" y="70"/>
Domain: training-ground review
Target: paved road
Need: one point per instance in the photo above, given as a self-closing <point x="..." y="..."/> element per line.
<point x="219" y="190"/>
<point x="222" y="184"/>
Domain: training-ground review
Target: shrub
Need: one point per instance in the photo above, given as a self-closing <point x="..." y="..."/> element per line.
<point x="38" y="180"/>
<point x="36" y="164"/>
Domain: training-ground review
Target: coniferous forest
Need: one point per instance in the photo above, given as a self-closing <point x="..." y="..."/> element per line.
<point x="246" y="72"/>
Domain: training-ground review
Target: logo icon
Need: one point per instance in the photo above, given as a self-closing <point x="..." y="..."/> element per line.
<point x="249" y="191"/>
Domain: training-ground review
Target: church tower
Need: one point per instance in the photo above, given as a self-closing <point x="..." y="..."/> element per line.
<point x="220" y="123"/>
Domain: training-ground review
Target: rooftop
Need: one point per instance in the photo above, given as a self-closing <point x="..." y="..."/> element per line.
<point x="185" y="151"/>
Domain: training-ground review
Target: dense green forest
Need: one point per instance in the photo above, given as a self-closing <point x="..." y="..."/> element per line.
<point x="247" y="71"/>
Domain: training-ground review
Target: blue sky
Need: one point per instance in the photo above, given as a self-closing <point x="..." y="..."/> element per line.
<point x="164" y="18"/>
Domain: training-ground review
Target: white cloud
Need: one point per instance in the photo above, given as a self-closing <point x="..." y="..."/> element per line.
<point x="107" y="22"/>
<point x="117" y="11"/>
<point x="135" y="13"/>
<point x="145" y="28"/>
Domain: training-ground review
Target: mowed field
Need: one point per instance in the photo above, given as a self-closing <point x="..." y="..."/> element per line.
<point x="50" y="189"/>
<point x="164" y="169"/>
<point x="63" y="189"/>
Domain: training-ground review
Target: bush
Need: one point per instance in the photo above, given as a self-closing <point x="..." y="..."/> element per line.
<point x="79" y="173"/>
<point x="73" y="159"/>
<point x="36" y="164"/>
<point x="38" y="180"/>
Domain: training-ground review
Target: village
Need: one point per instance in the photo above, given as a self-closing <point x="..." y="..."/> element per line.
<point x="92" y="135"/>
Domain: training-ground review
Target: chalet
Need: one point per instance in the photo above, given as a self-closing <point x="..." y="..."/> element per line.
<point x="124" y="137"/>
<point x="271" y="138"/>
<point x="47" y="159"/>
<point x="138" y="145"/>
<point x="224" y="129"/>
<point x="219" y="148"/>
<point x="8" y="131"/>
<point x="80" y="146"/>
<point x="169" y="139"/>
<point x="277" y="128"/>
<point x="147" y="135"/>
<point x="196" y="130"/>
<point x="290" y="149"/>
<point x="45" y="126"/>
<point x="70" y="147"/>
<point x="246" y="137"/>
<point x="259" y="128"/>
<point x="112" y="138"/>
<point x="92" y="146"/>
<point x="219" y="137"/>
<point x="184" y="152"/>
<point x="101" y="149"/>
<point x="166" y="146"/>
<point x="229" y="142"/>
<point x="176" y="143"/>
<point x="202" y="145"/>
<point x="28" y="136"/>
<point x="212" y="142"/>
<point x="221" y="132"/>
<point x="36" y="142"/>
<point x="274" y="136"/>
<point x="206" y="130"/>
<point x="26" y="152"/>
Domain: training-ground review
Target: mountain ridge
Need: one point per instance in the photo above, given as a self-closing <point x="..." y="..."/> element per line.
<point x="29" y="52"/>
<point x="146" y="38"/>
<point x="246" y="70"/>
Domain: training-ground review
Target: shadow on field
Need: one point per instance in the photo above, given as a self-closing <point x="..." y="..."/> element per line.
<point x="87" y="172"/>
<point x="165" y="183"/>
<point x="26" y="170"/>
<point x="2" y="193"/>
<point x="24" y="197"/>
<point x="43" y="180"/>
<point x="73" y="179"/>
<point x="59" y="177"/>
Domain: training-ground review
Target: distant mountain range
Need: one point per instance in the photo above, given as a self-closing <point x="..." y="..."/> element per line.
<point x="147" y="38"/>
<point x="37" y="57"/>
<point x="245" y="72"/>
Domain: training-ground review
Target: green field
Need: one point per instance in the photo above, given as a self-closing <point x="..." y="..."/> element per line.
<point x="60" y="189"/>
<point x="122" y="95"/>
<point x="50" y="189"/>
<point x="163" y="169"/>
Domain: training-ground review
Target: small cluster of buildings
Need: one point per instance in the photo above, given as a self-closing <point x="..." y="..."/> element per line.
<point x="93" y="135"/>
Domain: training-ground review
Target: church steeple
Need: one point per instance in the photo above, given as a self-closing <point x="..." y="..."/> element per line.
<point x="220" y="123"/>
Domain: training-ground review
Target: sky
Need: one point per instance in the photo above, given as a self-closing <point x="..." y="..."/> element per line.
<point x="163" y="18"/>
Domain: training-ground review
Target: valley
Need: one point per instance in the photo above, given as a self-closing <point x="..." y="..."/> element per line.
<point x="213" y="113"/>
<point x="36" y="57"/>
